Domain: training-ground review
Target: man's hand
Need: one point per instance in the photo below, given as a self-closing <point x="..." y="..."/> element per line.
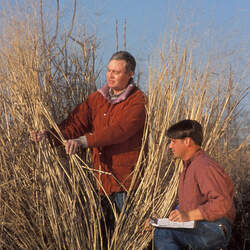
<point x="147" y="227"/>
<point x="72" y="145"/>
<point x="178" y="216"/>
<point x="37" y="136"/>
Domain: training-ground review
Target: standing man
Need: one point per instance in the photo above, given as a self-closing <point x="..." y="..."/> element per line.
<point x="205" y="195"/>
<point x="110" y="122"/>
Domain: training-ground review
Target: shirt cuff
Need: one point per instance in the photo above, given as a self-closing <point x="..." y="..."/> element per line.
<point x="84" y="141"/>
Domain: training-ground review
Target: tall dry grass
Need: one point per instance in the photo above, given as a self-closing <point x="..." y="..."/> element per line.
<point x="49" y="200"/>
<point x="176" y="91"/>
<point x="42" y="201"/>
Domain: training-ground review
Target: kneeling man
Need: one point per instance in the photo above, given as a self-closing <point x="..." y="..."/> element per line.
<point x="205" y="195"/>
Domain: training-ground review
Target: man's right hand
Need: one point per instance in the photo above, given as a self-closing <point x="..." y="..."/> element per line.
<point x="37" y="136"/>
<point x="147" y="227"/>
<point x="72" y="145"/>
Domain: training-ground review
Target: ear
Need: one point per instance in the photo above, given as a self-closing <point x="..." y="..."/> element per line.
<point x="131" y="74"/>
<point x="188" y="141"/>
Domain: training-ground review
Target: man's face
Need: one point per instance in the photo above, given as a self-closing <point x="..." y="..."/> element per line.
<point x="116" y="75"/>
<point x="178" y="147"/>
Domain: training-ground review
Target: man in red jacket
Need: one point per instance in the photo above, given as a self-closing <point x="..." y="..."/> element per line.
<point x="110" y="122"/>
<point x="205" y="195"/>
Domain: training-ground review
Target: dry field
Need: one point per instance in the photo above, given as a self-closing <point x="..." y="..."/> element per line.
<point x="49" y="200"/>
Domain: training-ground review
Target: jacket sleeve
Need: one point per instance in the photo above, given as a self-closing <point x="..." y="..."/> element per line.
<point x="78" y="122"/>
<point x="217" y="188"/>
<point x="132" y="120"/>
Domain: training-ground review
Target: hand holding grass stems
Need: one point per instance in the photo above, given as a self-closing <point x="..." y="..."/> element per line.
<point x="37" y="135"/>
<point x="71" y="145"/>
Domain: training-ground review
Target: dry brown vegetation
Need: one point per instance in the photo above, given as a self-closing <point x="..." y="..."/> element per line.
<point x="49" y="200"/>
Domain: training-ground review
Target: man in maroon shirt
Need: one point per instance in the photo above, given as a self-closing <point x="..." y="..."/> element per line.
<point x="205" y="195"/>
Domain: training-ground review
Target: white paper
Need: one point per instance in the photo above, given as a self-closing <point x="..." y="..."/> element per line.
<point x="164" y="222"/>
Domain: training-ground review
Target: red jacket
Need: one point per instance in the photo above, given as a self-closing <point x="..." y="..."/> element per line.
<point x="114" y="130"/>
<point x="205" y="185"/>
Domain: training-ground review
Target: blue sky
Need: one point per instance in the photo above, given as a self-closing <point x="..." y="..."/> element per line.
<point x="219" y="26"/>
<point x="148" y="21"/>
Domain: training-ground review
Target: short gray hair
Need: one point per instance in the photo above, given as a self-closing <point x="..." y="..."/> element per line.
<point x="127" y="57"/>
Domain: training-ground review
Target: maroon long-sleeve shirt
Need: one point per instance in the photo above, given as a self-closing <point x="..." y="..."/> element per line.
<point x="204" y="184"/>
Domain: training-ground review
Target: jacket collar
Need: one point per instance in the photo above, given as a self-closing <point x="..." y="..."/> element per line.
<point x="123" y="96"/>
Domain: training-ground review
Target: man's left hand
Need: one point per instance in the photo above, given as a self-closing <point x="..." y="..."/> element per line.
<point x="178" y="216"/>
<point x="72" y="145"/>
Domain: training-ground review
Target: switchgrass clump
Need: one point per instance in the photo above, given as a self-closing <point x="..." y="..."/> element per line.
<point x="44" y="203"/>
<point x="176" y="91"/>
<point x="49" y="200"/>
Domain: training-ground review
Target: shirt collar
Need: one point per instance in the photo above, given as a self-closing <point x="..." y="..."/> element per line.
<point x="186" y="163"/>
<point x="106" y="92"/>
<point x="113" y="96"/>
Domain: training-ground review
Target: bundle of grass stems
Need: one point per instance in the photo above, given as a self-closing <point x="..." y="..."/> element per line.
<point x="49" y="200"/>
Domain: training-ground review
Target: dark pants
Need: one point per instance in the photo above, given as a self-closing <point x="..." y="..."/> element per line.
<point x="108" y="223"/>
<point x="206" y="235"/>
